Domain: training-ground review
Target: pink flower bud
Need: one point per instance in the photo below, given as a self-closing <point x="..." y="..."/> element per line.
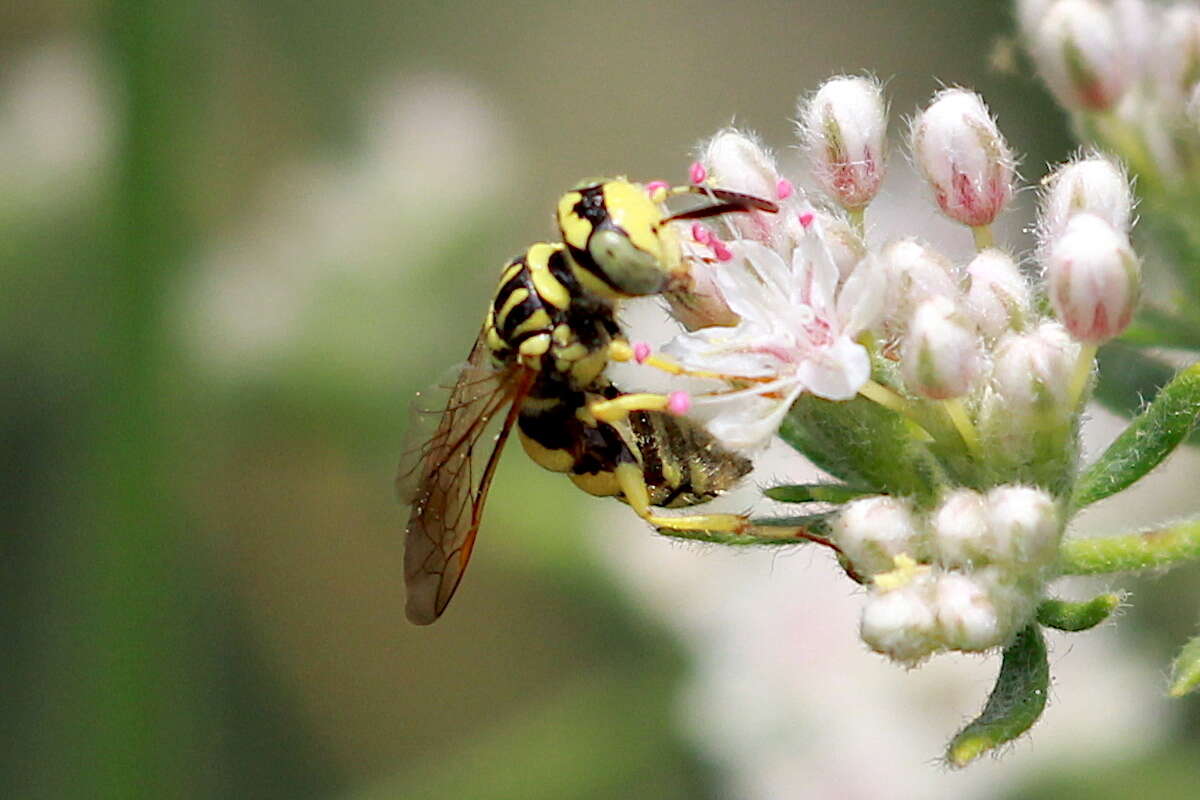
<point x="1081" y="55"/>
<point x="915" y="272"/>
<point x="696" y="301"/>
<point x="843" y="127"/>
<point x="942" y="354"/>
<point x="1093" y="278"/>
<point x="962" y="155"/>
<point x="735" y="160"/>
<point x="998" y="297"/>
<point x="1096" y="185"/>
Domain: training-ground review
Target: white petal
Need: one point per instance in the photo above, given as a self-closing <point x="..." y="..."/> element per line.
<point x="814" y="267"/>
<point x="836" y="372"/>
<point x="750" y="423"/>
<point x="739" y="351"/>
<point x="860" y="304"/>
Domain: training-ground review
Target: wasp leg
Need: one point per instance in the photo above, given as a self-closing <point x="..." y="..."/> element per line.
<point x="623" y="405"/>
<point x="633" y="487"/>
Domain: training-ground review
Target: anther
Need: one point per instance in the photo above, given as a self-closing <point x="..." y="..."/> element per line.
<point x="641" y="351"/>
<point x="679" y="403"/>
<point x="784" y="189"/>
<point x="697" y="173"/>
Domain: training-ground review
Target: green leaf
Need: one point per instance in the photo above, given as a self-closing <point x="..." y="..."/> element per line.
<point x="863" y="444"/>
<point x="1185" y="672"/>
<point x="1065" y="615"/>
<point x="815" y="493"/>
<point x="1157" y="548"/>
<point x="1150" y="438"/>
<point x="1015" y="704"/>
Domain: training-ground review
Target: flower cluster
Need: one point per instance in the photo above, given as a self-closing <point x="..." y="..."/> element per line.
<point x="984" y="557"/>
<point x="942" y="394"/>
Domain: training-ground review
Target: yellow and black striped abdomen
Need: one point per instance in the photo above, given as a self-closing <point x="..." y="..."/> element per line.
<point x="681" y="463"/>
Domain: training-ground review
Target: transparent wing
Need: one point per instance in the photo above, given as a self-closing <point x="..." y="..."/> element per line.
<point x="446" y="477"/>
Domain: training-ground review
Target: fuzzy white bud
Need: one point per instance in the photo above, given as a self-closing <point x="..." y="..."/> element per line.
<point x="1025" y="525"/>
<point x="1093" y="278"/>
<point x="967" y="617"/>
<point x="901" y="623"/>
<point x="998" y="296"/>
<point x="1080" y="55"/>
<point x="1096" y="185"/>
<point x="942" y="353"/>
<point x="844" y="128"/>
<point x="963" y="156"/>
<point x="961" y="536"/>
<point x="1031" y="372"/>
<point x="737" y="161"/>
<point x="871" y="531"/>
<point x="915" y="272"/>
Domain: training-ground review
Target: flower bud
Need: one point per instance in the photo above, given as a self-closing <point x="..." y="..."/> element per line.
<point x="871" y="531"/>
<point x="962" y="155"/>
<point x="844" y="126"/>
<point x="942" y="353"/>
<point x="1093" y="278"/>
<point x="845" y="246"/>
<point x="961" y="536"/>
<point x="967" y="618"/>
<point x="696" y="300"/>
<point x="737" y="161"/>
<point x="901" y="623"/>
<point x="1031" y="372"/>
<point x="1080" y="55"/>
<point x="1095" y="185"/>
<point x="998" y="297"/>
<point x="915" y="273"/>
<point x="1178" y="55"/>
<point x="1025" y="525"/>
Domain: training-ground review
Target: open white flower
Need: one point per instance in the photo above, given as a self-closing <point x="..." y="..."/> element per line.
<point x="796" y="334"/>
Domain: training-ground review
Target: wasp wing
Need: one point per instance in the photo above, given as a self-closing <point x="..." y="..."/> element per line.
<point x="446" y="478"/>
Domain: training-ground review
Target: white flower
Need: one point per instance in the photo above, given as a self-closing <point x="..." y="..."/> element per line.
<point x="796" y="334"/>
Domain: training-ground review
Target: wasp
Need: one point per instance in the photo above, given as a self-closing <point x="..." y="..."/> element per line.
<point x="538" y="366"/>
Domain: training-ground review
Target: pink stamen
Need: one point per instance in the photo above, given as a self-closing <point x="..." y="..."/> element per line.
<point x="641" y="351"/>
<point x="806" y="219"/>
<point x="720" y="250"/>
<point x="654" y="187"/>
<point x="701" y="234"/>
<point x="784" y="189"/>
<point x="697" y="173"/>
<point x="679" y="403"/>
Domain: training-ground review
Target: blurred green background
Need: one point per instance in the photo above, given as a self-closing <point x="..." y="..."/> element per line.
<point x="235" y="238"/>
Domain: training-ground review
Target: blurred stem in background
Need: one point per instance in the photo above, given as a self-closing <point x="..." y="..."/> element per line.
<point x="130" y="679"/>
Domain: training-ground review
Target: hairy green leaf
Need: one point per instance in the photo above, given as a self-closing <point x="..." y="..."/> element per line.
<point x="815" y="493"/>
<point x="1065" y="615"/>
<point x="1016" y="702"/>
<point x="1185" y="672"/>
<point x="1153" y="549"/>
<point x="1150" y="438"/>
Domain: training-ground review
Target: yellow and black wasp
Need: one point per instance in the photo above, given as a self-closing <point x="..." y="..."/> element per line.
<point x="538" y="364"/>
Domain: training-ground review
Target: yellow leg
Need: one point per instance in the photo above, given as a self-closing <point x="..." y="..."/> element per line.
<point x="633" y="487"/>
<point x="623" y="405"/>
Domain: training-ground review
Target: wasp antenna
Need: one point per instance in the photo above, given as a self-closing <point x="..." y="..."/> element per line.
<point x="731" y="207"/>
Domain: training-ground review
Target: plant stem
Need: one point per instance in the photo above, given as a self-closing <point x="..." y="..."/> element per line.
<point x="1153" y="549"/>
<point x="983" y="237"/>
<point x="966" y="429"/>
